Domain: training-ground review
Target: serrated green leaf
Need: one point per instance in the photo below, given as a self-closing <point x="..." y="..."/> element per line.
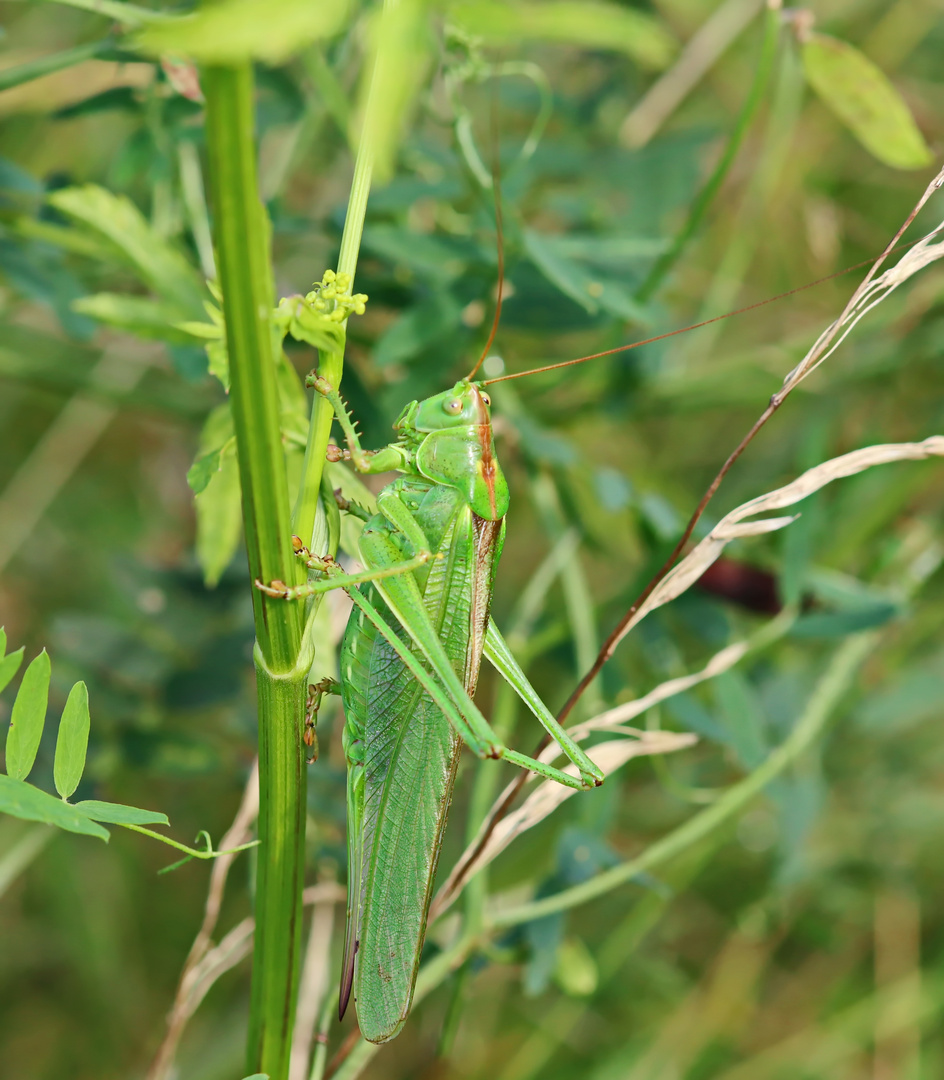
<point x="235" y="30"/>
<point x="72" y="741"/>
<point x="3" y="642"/>
<point x="9" y="666"/>
<point x="214" y="478"/>
<point x="118" y="814"/>
<point x="862" y="97"/>
<point x="205" y="331"/>
<point x="139" y="315"/>
<point x="217" y="435"/>
<point x="591" y="23"/>
<point x="67" y="237"/>
<point x="202" y="471"/>
<point x="117" y="220"/>
<point x="218" y="361"/>
<point x="28" y="717"/>
<point x="22" y="800"/>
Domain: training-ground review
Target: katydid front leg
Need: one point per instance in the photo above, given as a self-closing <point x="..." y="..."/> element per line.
<point x="366" y="461"/>
<point x="337" y="578"/>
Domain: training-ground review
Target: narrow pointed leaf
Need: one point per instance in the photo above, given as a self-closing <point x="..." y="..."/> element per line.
<point x="9" y="666"/>
<point x="219" y="519"/>
<point x="24" y="801"/>
<point x="72" y="742"/>
<point x="117" y="221"/>
<point x="862" y="97"/>
<point x="29" y="715"/>
<point x="46" y="65"/>
<point x="118" y="814"/>
<point x="140" y="315"/>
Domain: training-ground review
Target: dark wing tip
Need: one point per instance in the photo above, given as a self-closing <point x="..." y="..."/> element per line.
<point x="347" y="981"/>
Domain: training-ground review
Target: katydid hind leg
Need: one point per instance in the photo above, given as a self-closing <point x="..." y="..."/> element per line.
<point x="504" y="662"/>
<point x="402" y="597"/>
<point x="356" y="854"/>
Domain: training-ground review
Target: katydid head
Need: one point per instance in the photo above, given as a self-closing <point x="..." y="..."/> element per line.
<point x="464" y="405"/>
<point x="452" y="436"/>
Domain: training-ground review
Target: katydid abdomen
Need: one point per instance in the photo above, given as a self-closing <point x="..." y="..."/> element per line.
<point x="402" y="750"/>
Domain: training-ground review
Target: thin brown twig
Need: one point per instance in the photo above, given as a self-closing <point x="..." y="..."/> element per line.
<point x="313" y="984"/>
<point x="342" y="1053"/>
<point x="183" y="1006"/>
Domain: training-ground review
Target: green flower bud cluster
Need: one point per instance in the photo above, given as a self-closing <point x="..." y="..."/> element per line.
<point x="332" y="299"/>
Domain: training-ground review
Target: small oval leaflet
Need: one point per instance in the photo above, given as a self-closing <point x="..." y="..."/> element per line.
<point x="119" y="814"/>
<point x="22" y="800"/>
<point x="72" y="743"/>
<point x="9" y="666"/>
<point x="29" y="715"/>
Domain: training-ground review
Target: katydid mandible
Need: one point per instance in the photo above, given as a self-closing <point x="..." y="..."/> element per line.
<point x="409" y="664"/>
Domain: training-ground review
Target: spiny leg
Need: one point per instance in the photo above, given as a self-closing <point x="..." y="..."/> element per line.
<point x="367" y="461"/>
<point x="316" y="691"/>
<point x="459" y="717"/>
<point x="405" y="602"/>
<point x="349" y="507"/>
<point x="337" y="578"/>
<point x="504" y="662"/>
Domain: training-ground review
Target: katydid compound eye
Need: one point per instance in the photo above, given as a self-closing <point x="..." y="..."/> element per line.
<point x="453" y="407"/>
<point x="486" y="399"/>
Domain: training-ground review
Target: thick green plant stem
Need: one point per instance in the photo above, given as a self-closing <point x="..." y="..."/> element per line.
<point x="706" y="196"/>
<point x="240" y="235"/>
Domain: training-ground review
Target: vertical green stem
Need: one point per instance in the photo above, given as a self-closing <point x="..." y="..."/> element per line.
<point x="331" y="364"/>
<point x="240" y="235"/>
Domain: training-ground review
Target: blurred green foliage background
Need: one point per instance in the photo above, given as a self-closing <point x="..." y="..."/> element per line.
<point x="806" y="940"/>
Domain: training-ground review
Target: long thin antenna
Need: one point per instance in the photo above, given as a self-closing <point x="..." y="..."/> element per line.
<point x="684" y="329"/>
<point x="499" y="235"/>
